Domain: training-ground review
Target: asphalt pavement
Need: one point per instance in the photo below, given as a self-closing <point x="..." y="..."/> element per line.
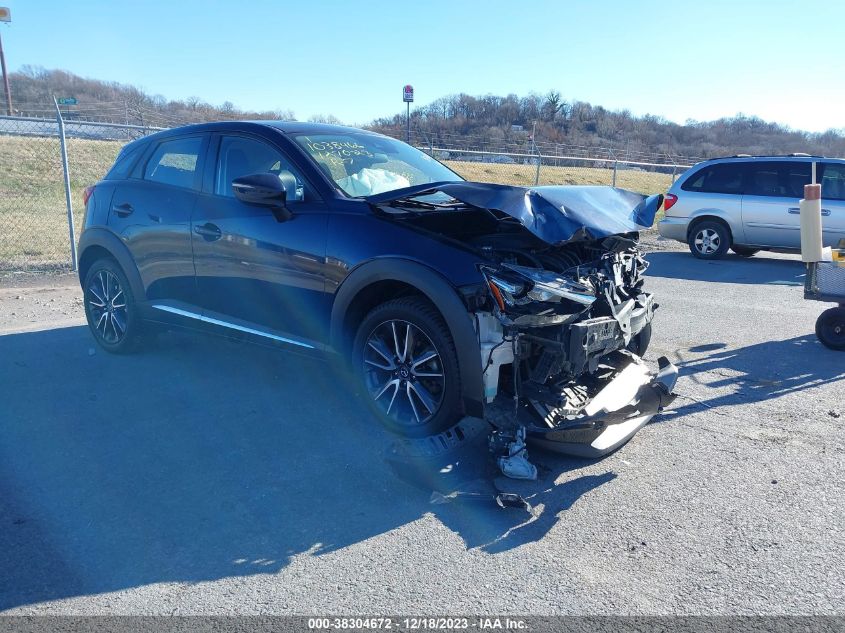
<point x="205" y="476"/>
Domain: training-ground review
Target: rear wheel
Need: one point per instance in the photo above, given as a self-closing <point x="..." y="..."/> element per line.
<point x="830" y="328"/>
<point x="709" y="240"/>
<point x="744" y="251"/>
<point x="110" y="308"/>
<point x="406" y="361"/>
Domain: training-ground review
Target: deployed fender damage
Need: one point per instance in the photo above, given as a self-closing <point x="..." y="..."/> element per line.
<point x="562" y="317"/>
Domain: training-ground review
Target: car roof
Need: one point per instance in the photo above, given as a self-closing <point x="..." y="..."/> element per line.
<point x="286" y="127"/>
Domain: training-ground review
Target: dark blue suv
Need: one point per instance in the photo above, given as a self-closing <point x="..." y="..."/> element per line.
<point x="439" y="295"/>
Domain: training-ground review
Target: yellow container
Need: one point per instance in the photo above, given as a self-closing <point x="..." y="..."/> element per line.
<point x="838" y="253"/>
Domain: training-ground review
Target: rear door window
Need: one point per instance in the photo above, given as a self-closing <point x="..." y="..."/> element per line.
<point x="175" y="162"/>
<point x="779" y="179"/>
<point x="721" y="178"/>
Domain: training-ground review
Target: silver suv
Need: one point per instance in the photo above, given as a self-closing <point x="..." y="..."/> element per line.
<point x="750" y="203"/>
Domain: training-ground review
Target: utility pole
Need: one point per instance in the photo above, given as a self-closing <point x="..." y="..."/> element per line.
<point x="5" y="16"/>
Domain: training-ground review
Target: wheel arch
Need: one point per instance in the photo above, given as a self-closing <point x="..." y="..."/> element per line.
<point x="710" y="217"/>
<point x="97" y="243"/>
<point x="383" y="279"/>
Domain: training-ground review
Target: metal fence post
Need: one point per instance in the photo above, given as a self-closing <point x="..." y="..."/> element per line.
<point x="68" y="198"/>
<point x="674" y="170"/>
<point x="615" y="166"/>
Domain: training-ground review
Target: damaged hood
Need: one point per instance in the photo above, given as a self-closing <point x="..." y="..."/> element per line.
<point x="555" y="214"/>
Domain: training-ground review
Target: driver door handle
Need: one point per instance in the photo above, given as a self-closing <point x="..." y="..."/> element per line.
<point x="123" y="210"/>
<point x="209" y="231"/>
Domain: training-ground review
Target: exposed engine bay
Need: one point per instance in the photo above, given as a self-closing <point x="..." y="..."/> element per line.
<point x="562" y="318"/>
<point x="559" y="333"/>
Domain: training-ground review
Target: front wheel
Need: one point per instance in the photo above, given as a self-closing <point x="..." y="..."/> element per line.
<point x="709" y="240"/>
<point x="639" y="343"/>
<point x="407" y="365"/>
<point x="830" y="328"/>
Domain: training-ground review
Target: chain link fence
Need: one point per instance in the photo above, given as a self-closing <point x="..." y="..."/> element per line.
<point x="35" y="213"/>
<point x="540" y="169"/>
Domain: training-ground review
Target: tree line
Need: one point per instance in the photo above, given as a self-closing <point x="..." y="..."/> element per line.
<point x="548" y="122"/>
<point x="511" y="120"/>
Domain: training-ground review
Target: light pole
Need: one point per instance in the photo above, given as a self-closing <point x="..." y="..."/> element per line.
<point x="5" y="16"/>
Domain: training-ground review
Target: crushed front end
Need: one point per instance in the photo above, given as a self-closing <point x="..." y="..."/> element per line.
<point x="562" y="316"/>
<point x="563" y="341"/>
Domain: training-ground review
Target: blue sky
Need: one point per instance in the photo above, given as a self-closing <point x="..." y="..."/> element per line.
<point x="780" y="60"/>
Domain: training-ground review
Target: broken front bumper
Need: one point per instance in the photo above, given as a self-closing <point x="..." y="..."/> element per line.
<point x="617" y="411"/>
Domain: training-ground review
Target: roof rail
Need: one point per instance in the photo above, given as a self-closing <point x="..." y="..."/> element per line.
<point x="792" y="155"/>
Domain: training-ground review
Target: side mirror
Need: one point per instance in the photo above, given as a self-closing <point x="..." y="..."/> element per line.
<point x="265" y="190"/>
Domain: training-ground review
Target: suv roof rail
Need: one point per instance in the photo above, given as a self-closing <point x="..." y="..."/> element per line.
<point x="792" y="155"/>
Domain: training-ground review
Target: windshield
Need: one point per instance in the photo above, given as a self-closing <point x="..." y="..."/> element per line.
<point x="364" y="164"/>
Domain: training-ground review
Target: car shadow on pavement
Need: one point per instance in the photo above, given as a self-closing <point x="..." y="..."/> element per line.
<point x="760" y="269"/>
<point x="199" y="459"/>
<point x="557" y="488"/>
<point x="754" y="373"/>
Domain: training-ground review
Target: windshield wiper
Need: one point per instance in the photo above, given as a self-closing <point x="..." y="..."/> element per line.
<point x="413" y="203"/>
<point x="406" y="192"/>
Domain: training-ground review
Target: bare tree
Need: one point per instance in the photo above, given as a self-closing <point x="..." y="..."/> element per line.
<point x="553" y="105"/>
<point x="325" y="118"/>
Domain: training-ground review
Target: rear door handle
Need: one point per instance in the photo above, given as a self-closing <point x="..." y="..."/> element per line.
<point x="209" y="231"/>
<point x="797" y="211"/>
<point x="123" y="209"/>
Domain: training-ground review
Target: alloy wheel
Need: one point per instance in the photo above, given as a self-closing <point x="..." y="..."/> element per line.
<point x="403" y="372"/>
<point x="107" y="307"/>
<point x="707" y="241"/>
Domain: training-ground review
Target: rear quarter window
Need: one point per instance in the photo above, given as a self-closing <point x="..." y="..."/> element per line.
<point x="721" y="178"/>
<point x="125" y="161"/>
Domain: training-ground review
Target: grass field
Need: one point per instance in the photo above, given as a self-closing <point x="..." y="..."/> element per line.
<point x="635" y="180"/>
<point x="33" y="215"/>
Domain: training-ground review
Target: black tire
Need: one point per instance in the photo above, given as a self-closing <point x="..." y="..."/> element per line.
<point x="115" y="324"/>
<point x="405" y="407"/>
<point x="639" y="344"/>
<point x="830" y="328"/>
<point x="745" y="251"/>
<point x="709" y="239"/>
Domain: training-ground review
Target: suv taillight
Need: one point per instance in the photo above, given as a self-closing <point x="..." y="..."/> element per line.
<point x="668" y="201"/>
<point x="86" y="194"/>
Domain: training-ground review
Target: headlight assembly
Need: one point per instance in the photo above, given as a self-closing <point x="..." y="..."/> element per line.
<point x="536" y="285"/>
